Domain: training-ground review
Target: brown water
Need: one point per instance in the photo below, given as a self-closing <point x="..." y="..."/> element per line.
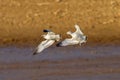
<point x="60" y="63"/>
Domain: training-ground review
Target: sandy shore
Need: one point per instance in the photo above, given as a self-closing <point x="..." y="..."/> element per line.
<point x="22" y="22"/>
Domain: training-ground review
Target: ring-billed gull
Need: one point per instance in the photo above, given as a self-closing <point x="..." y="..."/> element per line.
<point x="77" y="38"/>
<point x="50" y="37"/>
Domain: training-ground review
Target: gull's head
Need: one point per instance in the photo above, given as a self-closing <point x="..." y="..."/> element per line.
<point x="84" y="39"/>
<point x="45" y="30"/>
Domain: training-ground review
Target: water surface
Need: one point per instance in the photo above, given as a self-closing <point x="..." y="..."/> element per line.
<point x="56" y="63"/>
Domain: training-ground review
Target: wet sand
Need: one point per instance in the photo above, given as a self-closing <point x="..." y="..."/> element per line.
<point x="70" y="63"/>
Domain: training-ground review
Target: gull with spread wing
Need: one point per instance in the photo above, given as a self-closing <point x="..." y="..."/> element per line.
<point x="77" y="38"/>
<point x="50" y="37"/>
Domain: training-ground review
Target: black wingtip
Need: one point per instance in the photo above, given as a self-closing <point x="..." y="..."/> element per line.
<point x="58" y="44"/>
<point x="35" y="53"/>
<point x="45" y="30"/>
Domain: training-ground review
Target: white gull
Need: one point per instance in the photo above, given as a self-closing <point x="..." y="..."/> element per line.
<point x="78" y="37"/>
<point x="50" y="37"/>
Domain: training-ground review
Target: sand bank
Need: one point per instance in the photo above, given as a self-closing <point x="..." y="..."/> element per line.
<point x="22" y="22"/>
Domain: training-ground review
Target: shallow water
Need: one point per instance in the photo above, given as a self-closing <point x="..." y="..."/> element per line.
<point x="56" y="63"/>
<point x="14" y="54"/>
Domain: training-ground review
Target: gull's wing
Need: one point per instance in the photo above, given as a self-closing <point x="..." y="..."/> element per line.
<point x="40" y="47"/>
<point x="49" y="43"/>
<point x="44" y="44"/>
<point x="78" y="29"/>
<point x="67" y="42"/>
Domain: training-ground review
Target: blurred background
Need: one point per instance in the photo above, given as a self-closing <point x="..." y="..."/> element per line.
<point x="22" y="21"/>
